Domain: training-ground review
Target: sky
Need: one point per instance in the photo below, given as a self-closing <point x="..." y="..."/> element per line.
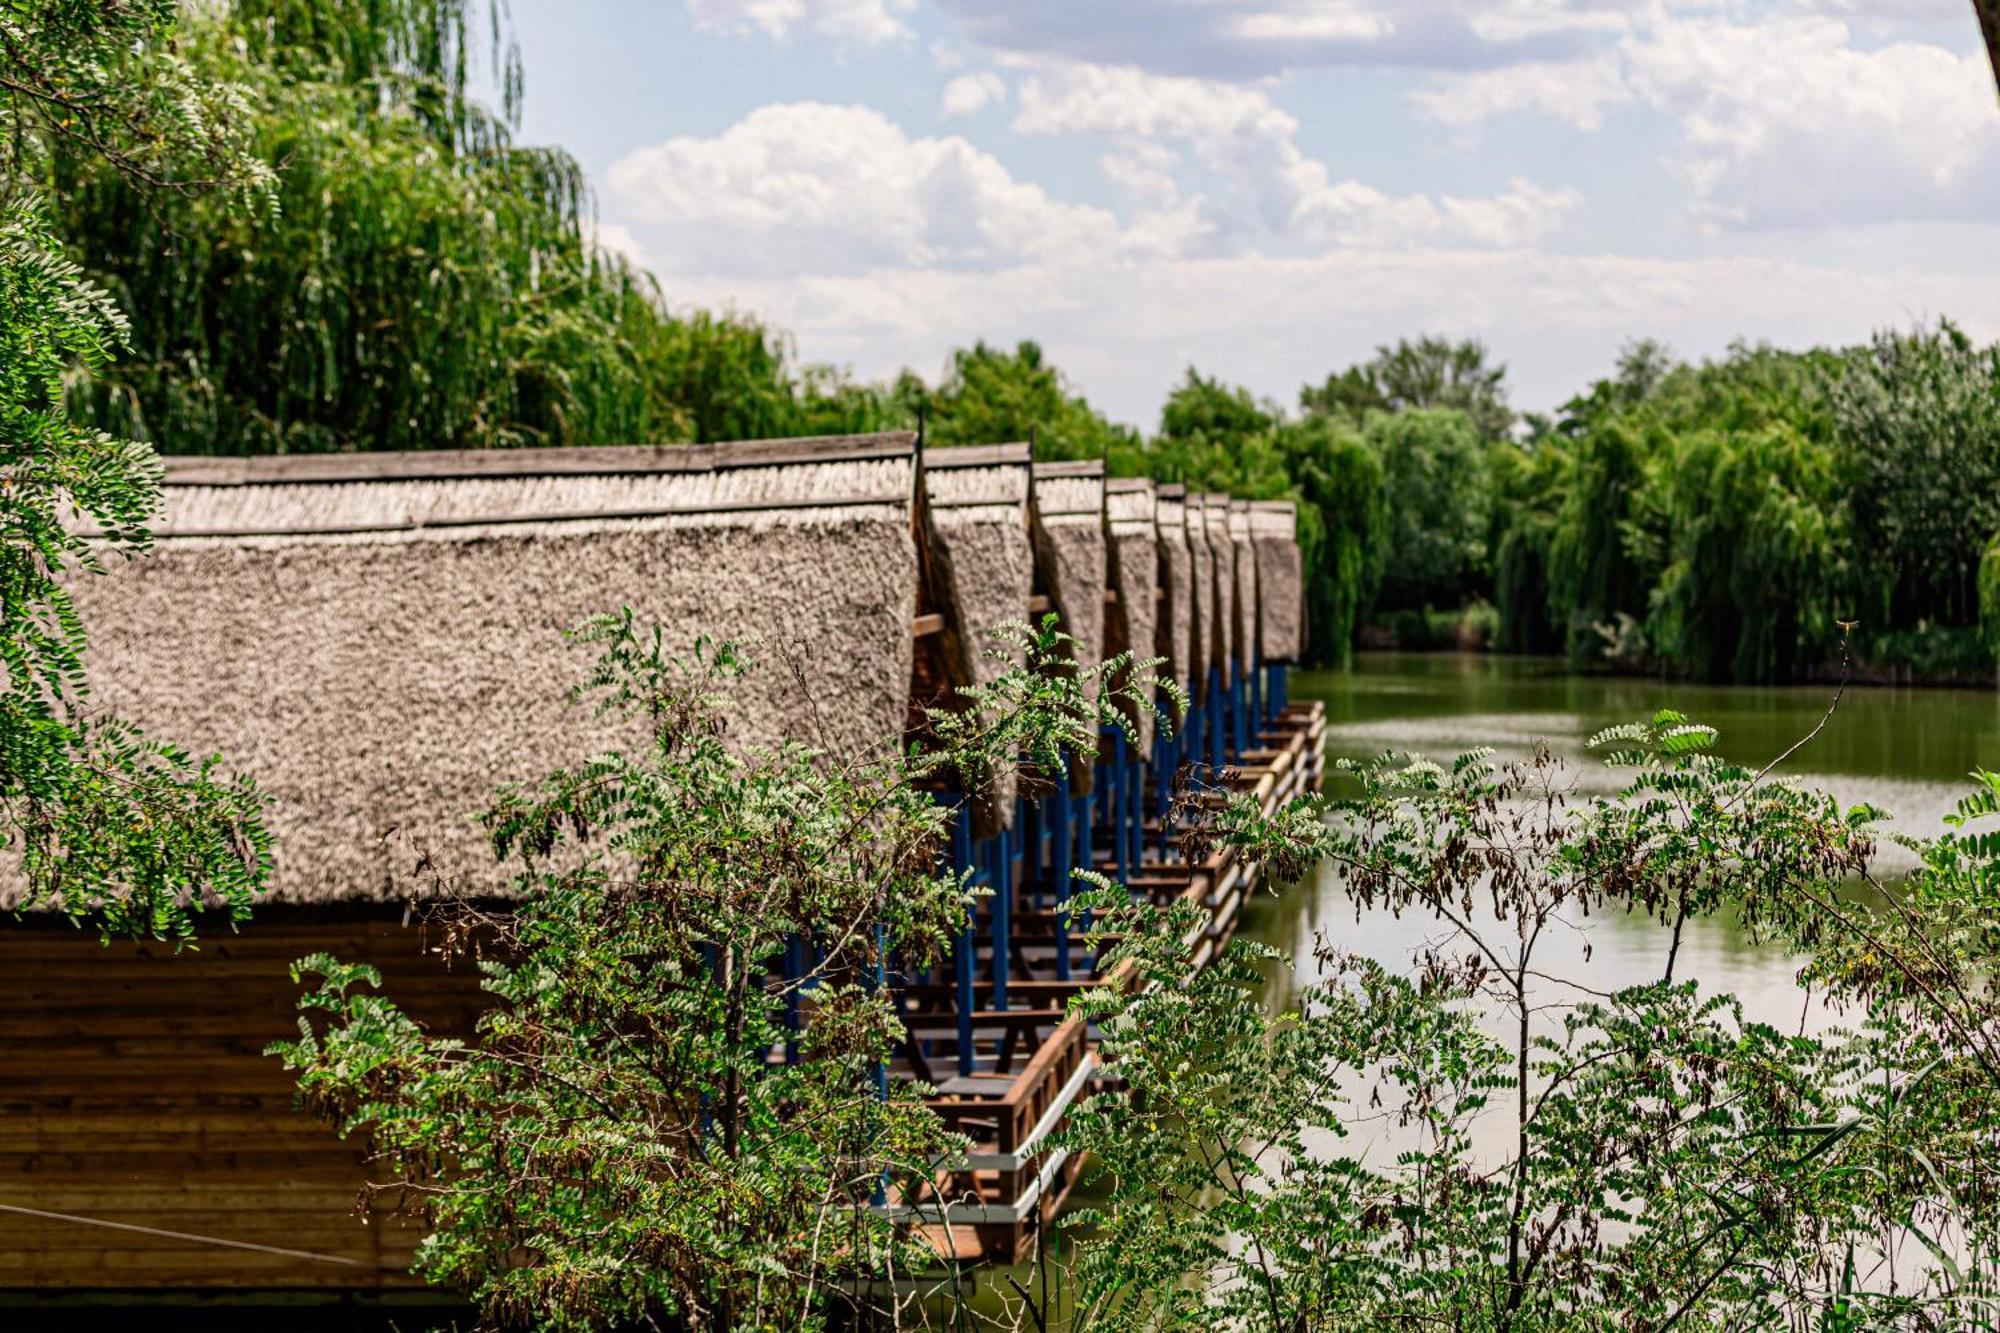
<point x="1267" y="190"/>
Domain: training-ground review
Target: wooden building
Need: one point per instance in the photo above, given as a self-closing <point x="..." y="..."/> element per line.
<point x="377" y="638"/>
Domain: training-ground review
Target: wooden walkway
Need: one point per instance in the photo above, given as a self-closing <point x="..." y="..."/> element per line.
<point x="1022" y="1063"/>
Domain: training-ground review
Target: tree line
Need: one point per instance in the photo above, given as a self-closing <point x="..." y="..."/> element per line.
<point x="410" y="277"/>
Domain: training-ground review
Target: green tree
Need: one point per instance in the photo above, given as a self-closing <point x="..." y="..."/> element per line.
<point x="1433" y="467"/>
<point x="107" y="824"/>
<point x="1565" y="1159"/>
<point x="990" y="395"/>
<point x="424" y="282"/>
<point x="1343" y="529"/>
<point x="1920" y="414"/>
<point x="1592" y="576"/>
<point x="617" y="1143"/>
<point x="1527" y="491"/>
<point x="1428" y="373"/>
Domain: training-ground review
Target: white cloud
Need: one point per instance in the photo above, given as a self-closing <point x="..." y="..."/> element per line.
<point x="969" y="93"/>
<point x="1787" y="123"/>
<point x="1577" y="92"/>
<point x="1313" y="20"/>
<point x="1124" y="330"/>
<point x="1272" y="187"/>
<point x="1781" y="120"/>
<point x="616" y="238"/>
<point x="811" y="188"/>
<point x="849" y="20"/>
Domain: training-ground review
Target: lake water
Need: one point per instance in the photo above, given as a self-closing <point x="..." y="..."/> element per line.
<point x="1906" y="751"/>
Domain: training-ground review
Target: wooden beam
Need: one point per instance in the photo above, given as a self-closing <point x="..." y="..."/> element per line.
<point x="925" y="626"/>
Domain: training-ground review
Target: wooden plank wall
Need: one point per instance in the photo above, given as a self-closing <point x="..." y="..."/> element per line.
<point x="134" y="1088"/>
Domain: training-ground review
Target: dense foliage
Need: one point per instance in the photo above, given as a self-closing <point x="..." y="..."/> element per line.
<point x="1542" y="1154"/>
<point x="618" y="1142"/>
<point x="102" y="822"/>
<point x="423" y="281"/>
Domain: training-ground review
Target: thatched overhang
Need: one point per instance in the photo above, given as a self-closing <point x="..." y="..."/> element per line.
<point x="1202" y="654"/>
<point x="1133" y="615"/>
<point x="983" y="571"/>
<point x="1175" y="638"/>
<point x="1067" y="510"/>
<point x="1246" y="584"/>
<point x="1222" y="548"/>
<point x="1281" y="592"/>
<point x="378" y="638"/>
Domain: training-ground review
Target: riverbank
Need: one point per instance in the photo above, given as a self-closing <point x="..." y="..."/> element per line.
<point x="1933" y="658"/>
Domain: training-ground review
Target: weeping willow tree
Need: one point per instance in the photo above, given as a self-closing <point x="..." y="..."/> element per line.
<point x="425" y="282"/>
<point x="1754" y="533"/>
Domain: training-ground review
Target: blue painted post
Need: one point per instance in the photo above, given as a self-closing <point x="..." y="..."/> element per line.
<point x="1135" y="811"/>
<point x="1061" y="850"/>
<point x="1121" y="839"/>
<point x="1257" y="692"/>
<point x="1217" y="719"/>
<point x="963" y="960"/>
<point x="877" y="981"/>
<point x="1003" y="913"/>
<point x="794" y="969"/>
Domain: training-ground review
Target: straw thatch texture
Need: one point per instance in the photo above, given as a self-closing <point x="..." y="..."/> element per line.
<point x="380" y="685"/>
<point x="360" y="505"/>
<point x="1069" y="537"/>
<point x="1175" y="628"/>
<point x="1131" y="622"/>
<point x="1281" y="600"/>
<point x="984" y="566"/>
<point x="1202" y="653"/>
<point x="1222" y="548"/>
<point x="1246" y="584"/>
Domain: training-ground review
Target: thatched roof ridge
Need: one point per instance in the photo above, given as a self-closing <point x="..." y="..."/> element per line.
<point x="1280" y="580"/>
<point x="1070" y="547"/>
<point x="595" y="460"/>
<point x="814" y="474"/>
<point x="982" y="571"/>
<point x="1132" y="618"/>
<point x="1246" y="584"/>
<point x="381" y="682"/>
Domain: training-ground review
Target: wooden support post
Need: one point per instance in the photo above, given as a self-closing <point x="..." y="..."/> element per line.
<point x="963" y="960"/>
<point x="1061" y="850"/>
<point x="1217" y="720"/>
<point x="1121" y="808"/>
<point x="794" y="970"/>
<point x="1003" y="913"/>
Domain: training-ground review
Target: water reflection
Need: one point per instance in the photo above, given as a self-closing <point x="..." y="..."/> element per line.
<point x="1906" y="751"/>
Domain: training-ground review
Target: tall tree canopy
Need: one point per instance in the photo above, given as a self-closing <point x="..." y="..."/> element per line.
<point x="106" y="823"/>
<point x="1428" y="373"/>
<point x="990" y="395"/>
<point x="425" y="281"/>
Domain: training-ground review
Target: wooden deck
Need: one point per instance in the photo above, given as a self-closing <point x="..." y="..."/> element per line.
<point x="134" y="1089"/>
<point x="986" y="1209"/>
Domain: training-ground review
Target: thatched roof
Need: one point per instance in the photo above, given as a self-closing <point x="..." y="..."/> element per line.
<point x="1070" y="550"/>
<point x="378" y="638"/>
<point x="1131" y="621"/>
<point x="1281" y="593"/>
<point x="1202" y="654"/>
<point x="1223" y="550"/>
<point x="983" y="566"/>
<point x="1175" y="631"/>
<point x="1246" y="584"/>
